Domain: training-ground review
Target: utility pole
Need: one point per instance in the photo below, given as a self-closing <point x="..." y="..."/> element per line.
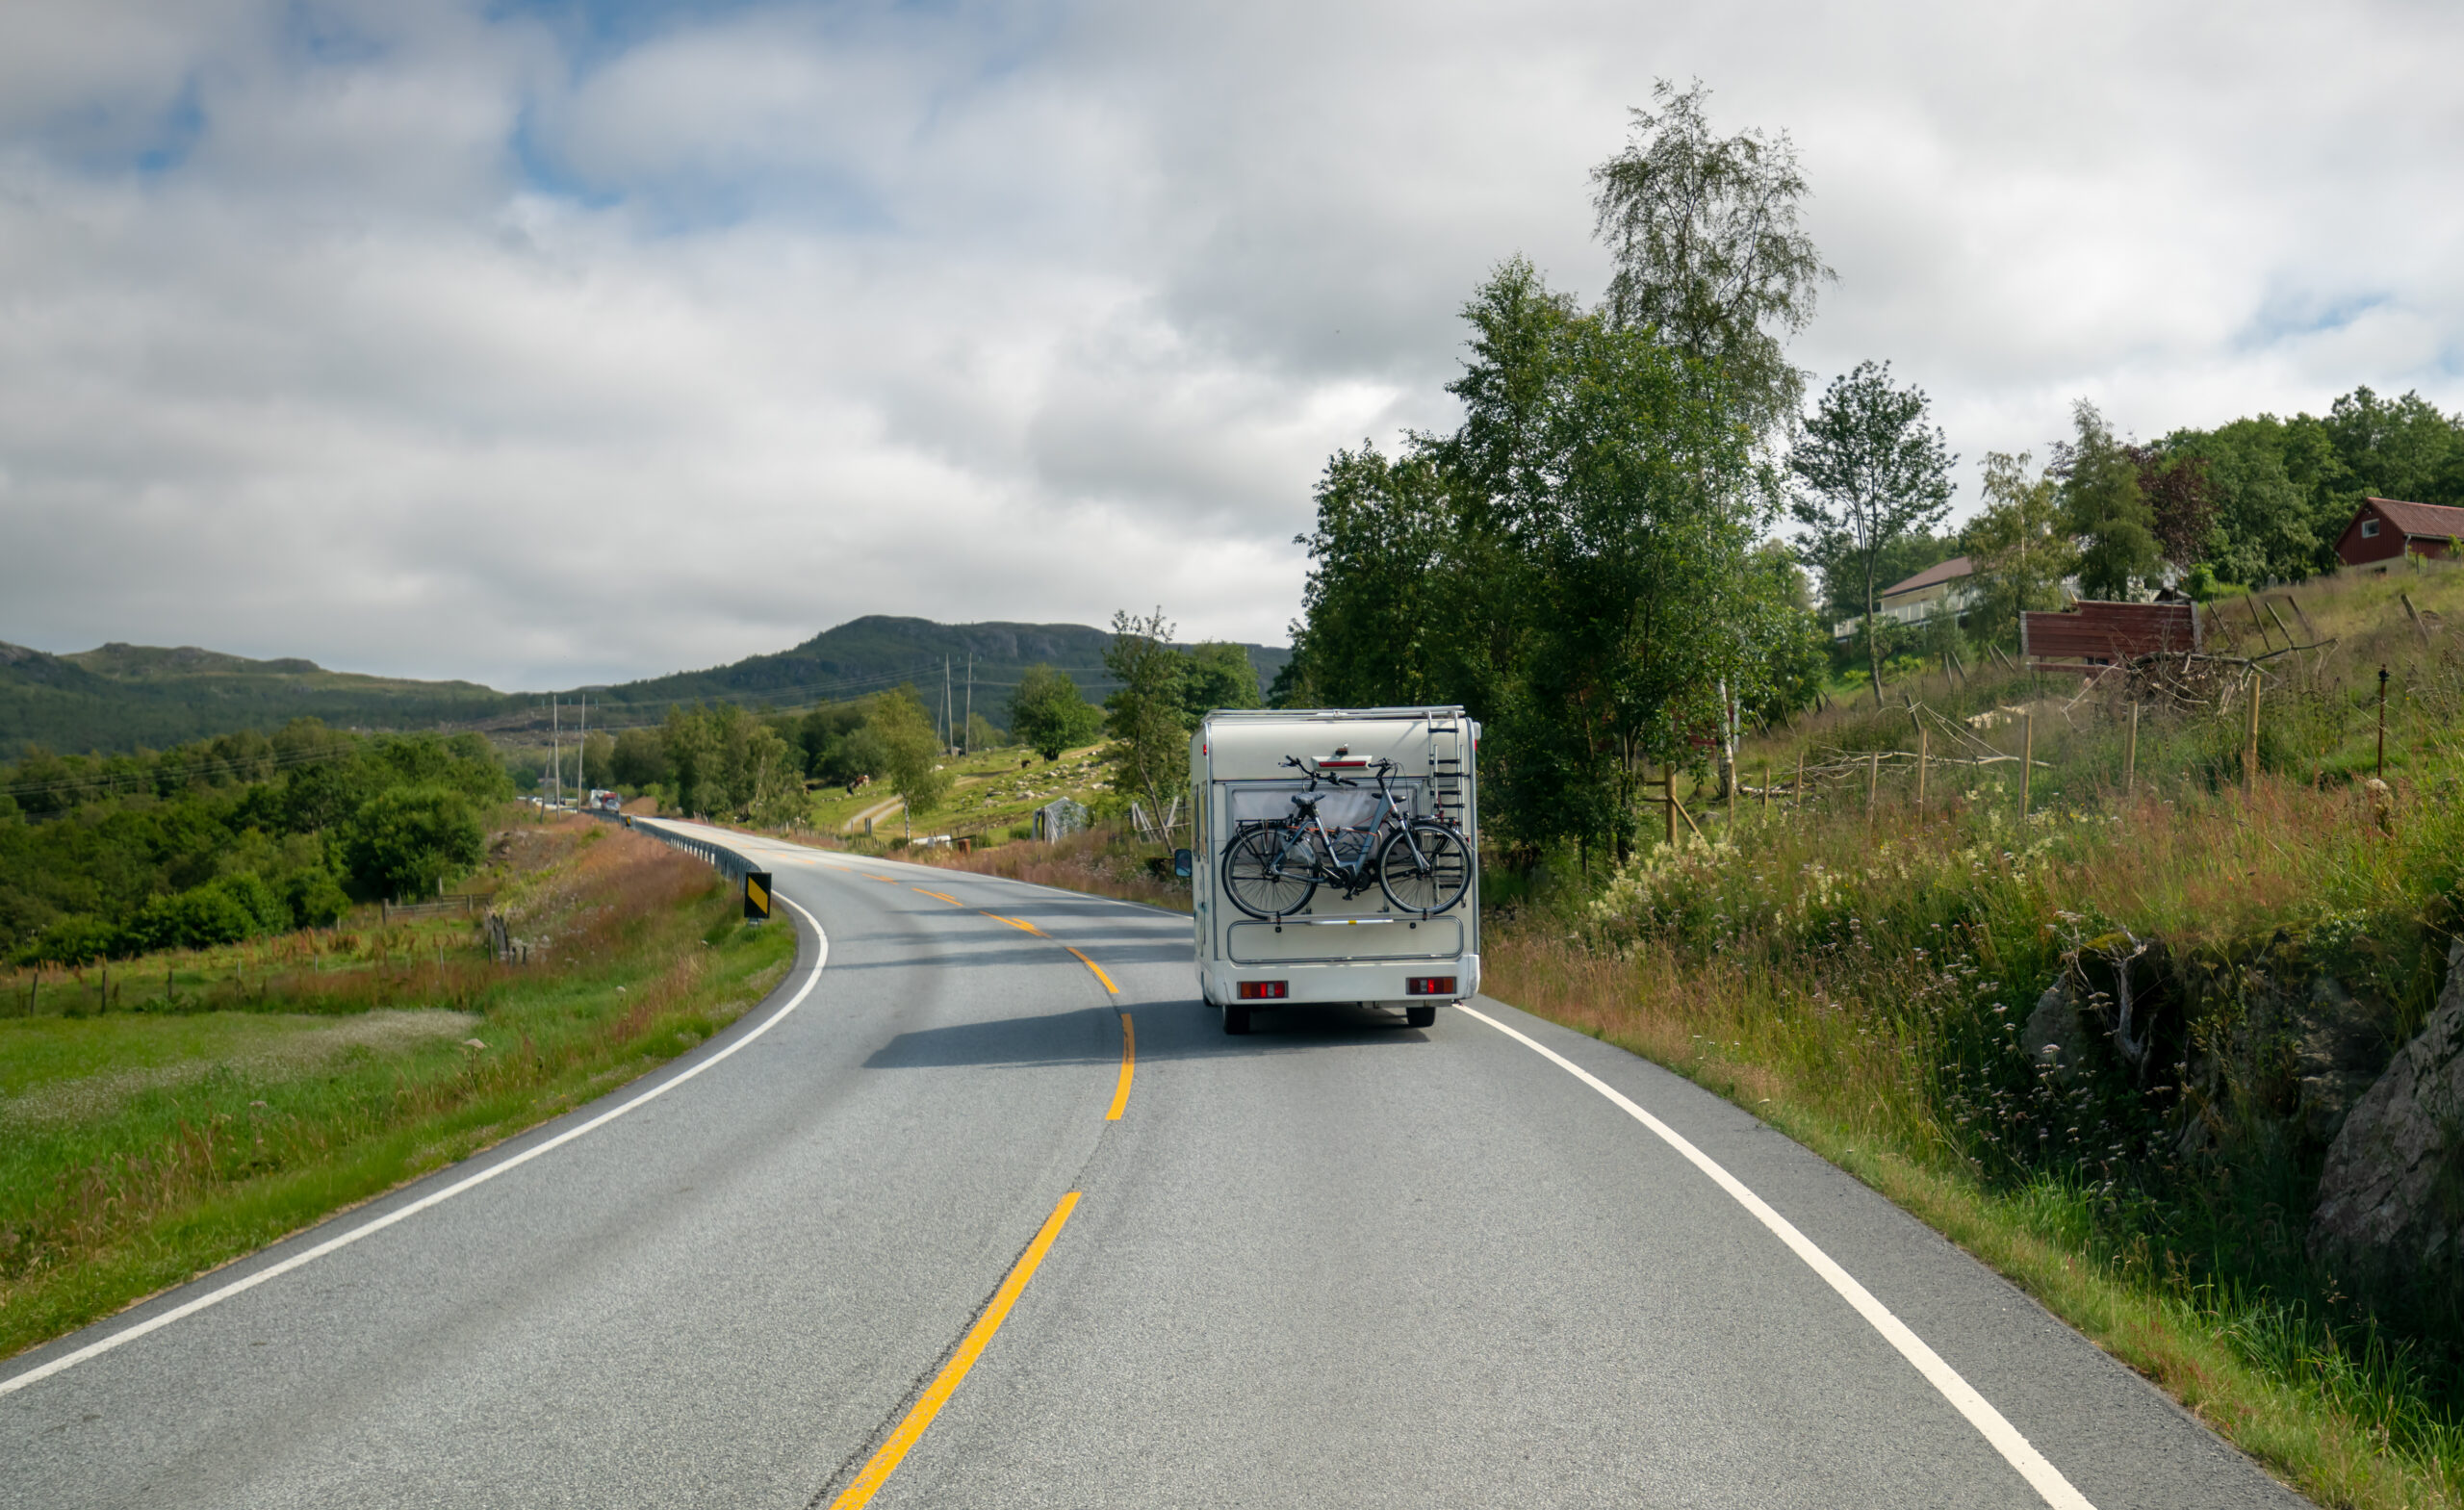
<point x="946" y="740"/>
<point x="555" y="755"/>
<point x="582" y="755"/>
<point x="966" y="745"/>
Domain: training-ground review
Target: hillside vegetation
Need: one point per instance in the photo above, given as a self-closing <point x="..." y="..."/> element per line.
<point x="232" y="839"/>
<point x="123" y="698"/>
<point x="2133" y="1046"/>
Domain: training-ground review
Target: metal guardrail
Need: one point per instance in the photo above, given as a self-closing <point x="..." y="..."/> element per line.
<point x="718" y="856"/>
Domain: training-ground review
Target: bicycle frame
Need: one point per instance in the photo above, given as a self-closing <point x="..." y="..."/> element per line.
<point x="1327" y="864"/>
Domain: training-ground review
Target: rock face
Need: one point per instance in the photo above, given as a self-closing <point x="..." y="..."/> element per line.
<point x="2391" y="1197"/>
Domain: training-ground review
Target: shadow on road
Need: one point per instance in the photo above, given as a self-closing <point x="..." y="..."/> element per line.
<point x="1183" y="1030"/>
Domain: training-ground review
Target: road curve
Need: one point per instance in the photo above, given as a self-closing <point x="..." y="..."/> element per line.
<point x="926" y="1217"/>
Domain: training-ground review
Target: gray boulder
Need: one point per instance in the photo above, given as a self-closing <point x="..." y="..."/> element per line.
<point x="2053" y="1036"/>
<point x="2391" y="1197"/>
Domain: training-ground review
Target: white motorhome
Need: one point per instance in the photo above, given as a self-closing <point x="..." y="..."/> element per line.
<point x="1341" y="943"/>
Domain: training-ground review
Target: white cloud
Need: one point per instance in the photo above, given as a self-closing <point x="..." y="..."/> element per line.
<point x="453" y="342"/>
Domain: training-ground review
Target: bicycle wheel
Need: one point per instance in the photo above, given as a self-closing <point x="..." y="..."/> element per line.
<point x="1259" y="879"/>
<point x="1423" y="868"/>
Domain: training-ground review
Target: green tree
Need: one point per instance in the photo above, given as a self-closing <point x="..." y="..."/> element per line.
<point x="639" y="760"/>
<point x="1620" y="486"/>
<point x="1783" y="632"/>
<point x="1870" y="470"/>
<point x="2097" y="479"/>
<point x="406" y="839"/>
<point x="912" y="746"/>
<point x="1150" y="749"/>
<point x="1217" y="675"/>
<point x="1048" y="713"/>
<point x="2393" y="448"/>
<point x="981" y="735"/>
<point x="2019" y="548"/>
<point x="774" y="788"/>
<point x="694" y="757"/>
<point x="2261" y="526"/>
<point x="1372" y="610"/>
<point x="1708" y="250"/>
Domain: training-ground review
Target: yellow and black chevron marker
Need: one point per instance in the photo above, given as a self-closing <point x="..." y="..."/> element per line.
<point x="756" y="895"/>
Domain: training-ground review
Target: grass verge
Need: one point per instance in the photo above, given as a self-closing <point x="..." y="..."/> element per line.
<point x="1105" y="860"/>
<point x="140" y="1149"/>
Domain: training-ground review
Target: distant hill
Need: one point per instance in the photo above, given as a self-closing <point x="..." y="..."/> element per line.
<point x="123" y="697"/>
<point x="871" y="654"/>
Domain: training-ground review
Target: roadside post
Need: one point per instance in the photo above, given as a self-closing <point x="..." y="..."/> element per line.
<point x="757" y="896"/>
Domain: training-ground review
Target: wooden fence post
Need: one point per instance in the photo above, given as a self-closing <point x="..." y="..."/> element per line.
<point x="1924" y="749"/>
<point x="1668" y="780"/>
<point x="2027" y="759"/>
<point x="2250" y="747"/>
<point x="1873" y="780"/>
<point x="2130" y="758"/>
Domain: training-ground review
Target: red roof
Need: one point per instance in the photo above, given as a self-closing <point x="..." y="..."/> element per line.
<point x="2437" y="521"/>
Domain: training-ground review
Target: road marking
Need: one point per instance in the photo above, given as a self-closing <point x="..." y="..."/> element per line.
<point x="945" y="1383"/>
<point x="1099" y="969"/>
<point x="1128" y="1063"/>
<point x="301" y="1260"/>
<point x="1013" y="922"/>
<point x="2041" y="1476"/>
<point x="944" y="895"/>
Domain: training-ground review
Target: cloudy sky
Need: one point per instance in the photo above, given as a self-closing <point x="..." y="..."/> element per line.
<point x="544" y="343"/>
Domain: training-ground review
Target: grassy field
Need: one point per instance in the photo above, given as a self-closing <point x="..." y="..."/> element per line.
<point x="149" y="1135"/>
<point x="993" y="792"/>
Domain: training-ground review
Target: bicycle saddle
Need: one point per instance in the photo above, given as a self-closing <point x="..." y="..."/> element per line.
<point x="1305" y="804"/>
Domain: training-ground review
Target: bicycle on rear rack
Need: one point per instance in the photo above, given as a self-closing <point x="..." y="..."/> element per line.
<point x="1273" y="867"/>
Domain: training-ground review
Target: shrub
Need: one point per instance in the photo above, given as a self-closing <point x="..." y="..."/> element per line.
<point x="406" y="841"/>
<point x="72" y="939"/>
<point x="196" y="918"/>
<point x="315" y="897"/>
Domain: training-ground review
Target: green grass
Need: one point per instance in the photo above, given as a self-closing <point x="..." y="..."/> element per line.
<point x="139" y="1149"/>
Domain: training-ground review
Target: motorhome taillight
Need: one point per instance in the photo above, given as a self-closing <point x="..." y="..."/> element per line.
<point x="1429" y="986"/>
<point x="1264" y="991"/>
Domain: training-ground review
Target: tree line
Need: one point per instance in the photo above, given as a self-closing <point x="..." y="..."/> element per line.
<point x="232" y="837"/>
<point x="723" y="761"/>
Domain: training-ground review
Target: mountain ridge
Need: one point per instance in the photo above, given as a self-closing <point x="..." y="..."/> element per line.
<point x="120" y="697"/>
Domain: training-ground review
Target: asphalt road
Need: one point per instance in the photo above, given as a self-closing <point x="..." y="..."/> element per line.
<point x="1338" y="1262"/>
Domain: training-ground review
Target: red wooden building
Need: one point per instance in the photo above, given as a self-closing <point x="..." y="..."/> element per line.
<point x="2089" y="636"/>
<point x="2385" y="528"/>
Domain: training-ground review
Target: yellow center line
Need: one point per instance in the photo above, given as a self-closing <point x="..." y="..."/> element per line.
<point x="1013" y="922"/>
<point x="1099" y="969"/>
<point x="944" y="895"/>
<point x="944" y="1384"/>
<point x="1128" y="1063"/>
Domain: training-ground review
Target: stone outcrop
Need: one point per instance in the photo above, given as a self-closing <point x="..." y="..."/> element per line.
<point x="2391" y="1197"/>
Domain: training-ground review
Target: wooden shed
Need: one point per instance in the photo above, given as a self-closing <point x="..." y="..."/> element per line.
<point x="2089" y="636"/>
<point x="2385" y="528"/>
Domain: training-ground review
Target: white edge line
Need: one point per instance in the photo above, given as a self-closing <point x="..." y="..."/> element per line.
<point x="2043" y="1476"/>
<point x="154" y="1323"/>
